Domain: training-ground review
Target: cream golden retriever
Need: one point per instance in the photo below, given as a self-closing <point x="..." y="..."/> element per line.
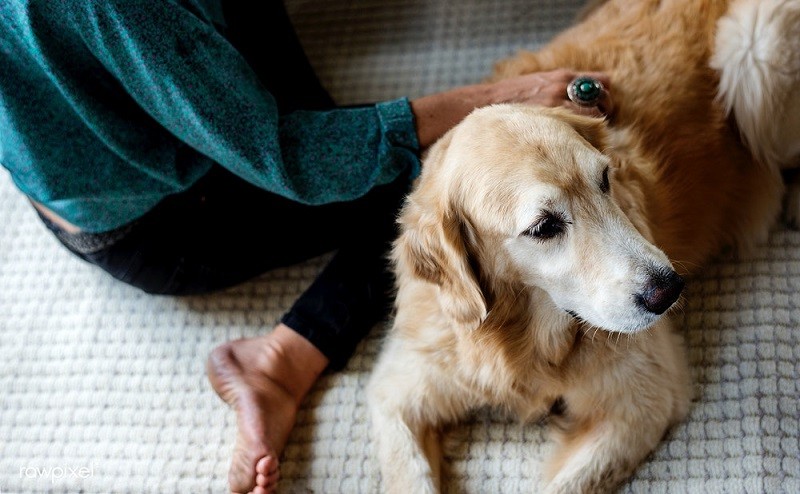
<point x="541" y="251"/>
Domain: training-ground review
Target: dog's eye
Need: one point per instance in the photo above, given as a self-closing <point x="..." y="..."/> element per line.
<point x="605" y="185"/>
<point x="549" y="226"/>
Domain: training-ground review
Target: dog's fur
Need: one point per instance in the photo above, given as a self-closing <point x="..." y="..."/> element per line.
<point x="524" y="283"/>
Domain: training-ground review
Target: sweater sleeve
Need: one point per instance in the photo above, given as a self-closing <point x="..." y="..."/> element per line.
<point x="190" y="79"/>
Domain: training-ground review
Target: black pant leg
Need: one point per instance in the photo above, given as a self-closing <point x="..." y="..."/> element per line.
<point x="263" y="33"/>
<point x="353" y="292"/>
<point x="224" y="231"/>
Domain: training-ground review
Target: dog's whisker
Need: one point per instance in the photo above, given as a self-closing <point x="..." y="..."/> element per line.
<point x="685" y="265"/>
<point x="596" y="329"/>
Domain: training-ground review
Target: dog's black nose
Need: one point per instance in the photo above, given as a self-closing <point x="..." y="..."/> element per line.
<point x="661" y="291"/>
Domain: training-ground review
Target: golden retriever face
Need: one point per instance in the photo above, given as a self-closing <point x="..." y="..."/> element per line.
<point x="522" y="195"/>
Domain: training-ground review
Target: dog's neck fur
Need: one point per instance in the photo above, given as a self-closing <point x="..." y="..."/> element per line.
<point x="527" y="352"/>
<point x="523" y="344"/>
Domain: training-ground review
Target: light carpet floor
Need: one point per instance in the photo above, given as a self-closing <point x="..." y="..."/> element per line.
<point x="103" y="388"/>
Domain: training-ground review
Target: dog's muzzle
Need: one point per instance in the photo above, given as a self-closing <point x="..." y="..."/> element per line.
<point x="585" y="91"/>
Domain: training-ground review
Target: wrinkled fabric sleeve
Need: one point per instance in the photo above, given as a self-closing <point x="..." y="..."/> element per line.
<point x="191" y="80"/>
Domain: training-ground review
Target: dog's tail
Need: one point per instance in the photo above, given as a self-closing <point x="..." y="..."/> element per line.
<point x="757" y="54"/>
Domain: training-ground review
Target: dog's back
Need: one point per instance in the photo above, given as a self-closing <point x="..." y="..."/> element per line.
<point x="683" y="168"/>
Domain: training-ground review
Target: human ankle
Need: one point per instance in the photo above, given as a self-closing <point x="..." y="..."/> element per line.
<point x="292" y="361"/>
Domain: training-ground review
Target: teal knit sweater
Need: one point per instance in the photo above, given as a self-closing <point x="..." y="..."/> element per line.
<point x="108" y="106"/>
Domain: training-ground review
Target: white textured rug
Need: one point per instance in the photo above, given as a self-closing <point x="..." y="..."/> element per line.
<point x="102" y="388"/>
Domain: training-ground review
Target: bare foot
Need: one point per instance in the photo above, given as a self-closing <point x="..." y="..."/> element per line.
<point x="264" y="380"/>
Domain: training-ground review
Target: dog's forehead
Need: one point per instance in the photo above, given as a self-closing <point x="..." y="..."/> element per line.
<point x="506" y="170"/>
<point x="522" y="148"/>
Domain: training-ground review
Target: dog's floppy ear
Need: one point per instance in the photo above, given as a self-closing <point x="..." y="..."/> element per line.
<point x="432" y="247"/>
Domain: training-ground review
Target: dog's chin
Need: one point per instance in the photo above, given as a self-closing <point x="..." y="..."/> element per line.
<point x="628" y="323"/>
